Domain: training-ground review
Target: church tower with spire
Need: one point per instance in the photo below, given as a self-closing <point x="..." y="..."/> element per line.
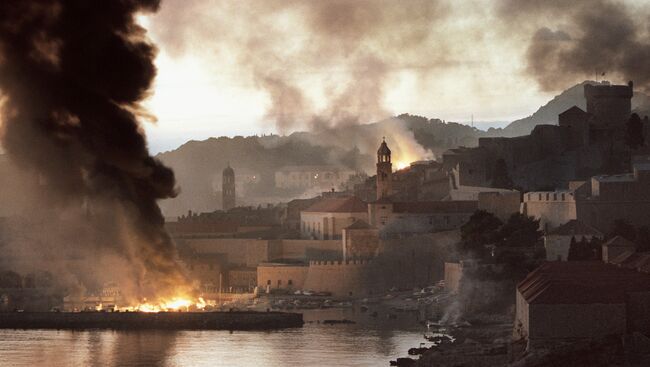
<point x="384" y="171"/>
<point x="228" y="188"/>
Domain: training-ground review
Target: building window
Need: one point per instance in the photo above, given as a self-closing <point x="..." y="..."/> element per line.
<point x="268" y="282"/>
<point x="290" y="282"/>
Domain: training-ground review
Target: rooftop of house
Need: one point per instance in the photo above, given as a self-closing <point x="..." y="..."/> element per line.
<point x="620" y="241"/>
<point x="359" y="224"/>
<point x="636" y="260"/>
<point x="574" y="110"/>
<point x="622" y="257"/>
<point x="350" y="204"/>
<point x="581" y="282"/>
<point x="576" y="227"/>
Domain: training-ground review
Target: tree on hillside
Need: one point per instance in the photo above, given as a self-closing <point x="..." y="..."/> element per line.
<point x="634" y="132"/>
<point x="479" y="231"/>
<point x="500" y="176"/>
<point x="580" y="251"/>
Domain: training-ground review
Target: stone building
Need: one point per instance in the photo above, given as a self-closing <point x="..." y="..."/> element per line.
<point x="326" y="218"/>
<point x="210" y="270"/>
<point x="291" y="216"/>
<point x="321" y="178"/>
<point x="615" y="247"/>
<point x="242" y="279"/>
<point x="568" y="301"/>
<point x="419" y="217"/>
<point x="558" y="241"/>
<point x="239" y="221"/>
<point x="420" y="181"/>
<point x="597" y="202"/>
<point x="583" y="144"/>
<point x="228" y="188"/>
<point x="287" y="276"/>
<point x="384" y="172"/>
<point x="360" y="241"/>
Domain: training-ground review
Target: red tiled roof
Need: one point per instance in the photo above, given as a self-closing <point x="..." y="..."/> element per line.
<point x="576" y="227"/>
<point x="581" y="282"/>
<point x="338" y="205"/>
<point x="457" y="206"/>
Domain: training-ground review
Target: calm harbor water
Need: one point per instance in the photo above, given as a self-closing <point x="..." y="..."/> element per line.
<point x="368" y="343"/>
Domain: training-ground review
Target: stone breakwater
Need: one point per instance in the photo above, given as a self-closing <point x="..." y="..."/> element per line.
<point x="142" y="320"/>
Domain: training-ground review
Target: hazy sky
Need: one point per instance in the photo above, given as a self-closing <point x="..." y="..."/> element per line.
<point x="259" y="66"/>
<point x="467" y="63"/>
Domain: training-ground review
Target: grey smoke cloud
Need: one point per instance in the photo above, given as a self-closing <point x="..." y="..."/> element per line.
<point x="587" y="39"/>
<point x="353" y="47"/>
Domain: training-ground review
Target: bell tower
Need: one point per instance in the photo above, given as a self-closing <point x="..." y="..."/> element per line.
<point x="228" y="188"/>
<point x="384" y="171"/>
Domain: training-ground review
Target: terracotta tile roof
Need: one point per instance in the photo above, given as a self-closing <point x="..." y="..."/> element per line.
<point x="468" y="206"/>
<point x="338" y="205"/>
<point x="575" y="228"/>
<point x="581" y="282"/>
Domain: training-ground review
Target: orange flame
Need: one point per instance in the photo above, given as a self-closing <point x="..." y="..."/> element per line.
<point x="175" y="304"/>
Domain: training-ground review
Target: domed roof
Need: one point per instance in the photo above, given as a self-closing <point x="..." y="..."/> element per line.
<point x="383" y="148"/>
<point x="228" y="170"/>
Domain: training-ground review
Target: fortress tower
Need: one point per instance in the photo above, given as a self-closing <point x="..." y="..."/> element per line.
<point x="611" y="105"/>
<point x="384" y="171"/>
<point x="228" y="188"/>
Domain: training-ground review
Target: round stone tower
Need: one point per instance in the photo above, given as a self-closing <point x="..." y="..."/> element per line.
<point x="384" y="171"/>
<point x="228" y="188"/>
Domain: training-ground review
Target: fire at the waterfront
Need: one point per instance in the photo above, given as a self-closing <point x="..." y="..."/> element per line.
<point x="176" y="304"/>
<point x="173" y="305"/>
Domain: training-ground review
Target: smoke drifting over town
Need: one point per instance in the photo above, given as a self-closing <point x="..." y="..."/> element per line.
<point x="73" y="73"/>
<point x="601" y="38"/>
<point x="351" y="47"/>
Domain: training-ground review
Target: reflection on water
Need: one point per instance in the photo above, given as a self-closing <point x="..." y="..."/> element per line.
<point x="371" y="342"/>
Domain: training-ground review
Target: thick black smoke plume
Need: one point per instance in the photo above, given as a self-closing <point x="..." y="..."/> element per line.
<point x="589" y="38"/>
<point x="73" y="73"/>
